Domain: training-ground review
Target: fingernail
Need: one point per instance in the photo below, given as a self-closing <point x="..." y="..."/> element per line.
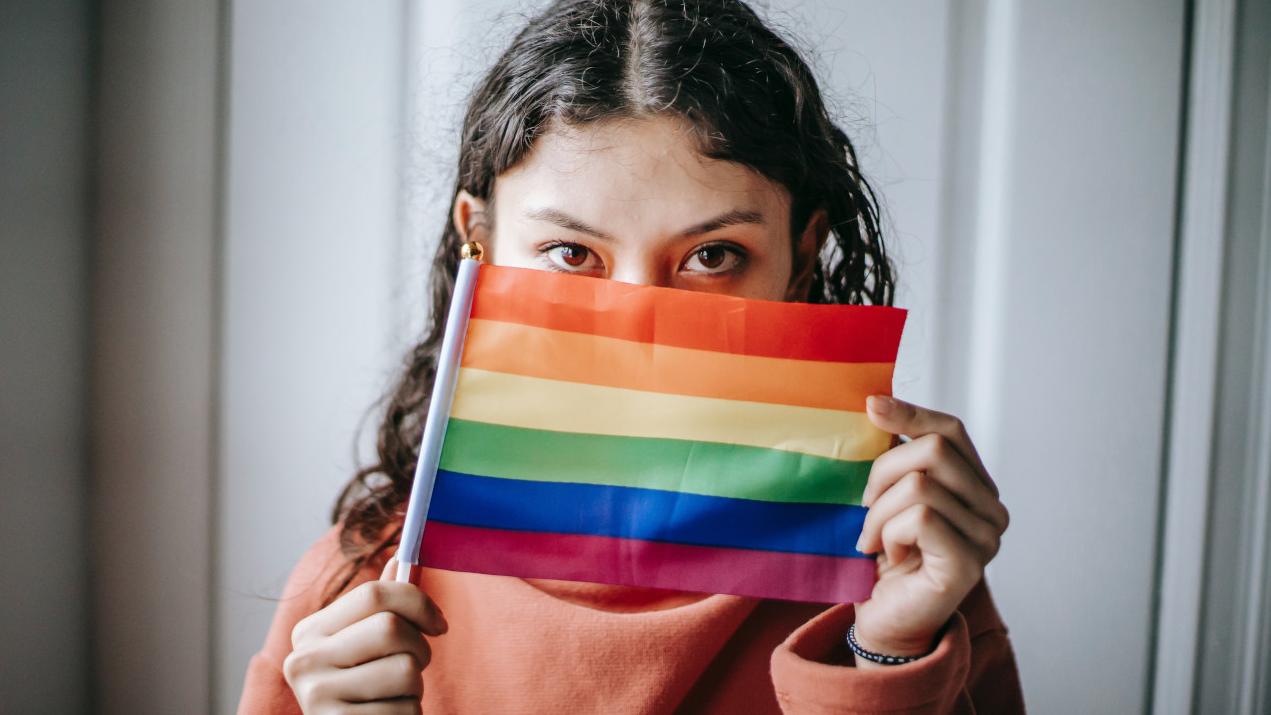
<point x="882" y="404"/>
<point x="438" y="617"/>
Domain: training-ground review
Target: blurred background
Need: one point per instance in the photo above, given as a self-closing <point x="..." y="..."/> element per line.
<point x="216" y="220"/>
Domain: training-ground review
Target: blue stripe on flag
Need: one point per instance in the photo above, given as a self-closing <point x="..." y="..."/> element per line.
<point x="650" y="514"/>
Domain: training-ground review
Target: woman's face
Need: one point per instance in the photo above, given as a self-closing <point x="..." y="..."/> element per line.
<point x="634" y="201"/>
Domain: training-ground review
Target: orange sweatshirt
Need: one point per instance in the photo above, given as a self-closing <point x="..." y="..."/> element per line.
<point x="538" y="646"/>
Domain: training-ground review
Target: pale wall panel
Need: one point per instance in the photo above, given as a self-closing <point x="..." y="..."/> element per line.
<point x="310" y="230"/>
<point x="1074" y="410"/>
<point x="153" y="356"/>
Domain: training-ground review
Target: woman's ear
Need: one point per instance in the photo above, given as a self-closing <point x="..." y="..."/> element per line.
<point x="470" y="219"/>
<point x="807" y="252"/>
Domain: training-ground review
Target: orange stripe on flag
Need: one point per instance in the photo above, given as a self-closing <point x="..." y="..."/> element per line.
<point x="531" y="351"/>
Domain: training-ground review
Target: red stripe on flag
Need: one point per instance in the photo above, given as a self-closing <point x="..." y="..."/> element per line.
<point x="688" y="319"/>
<point x="632" y="562"/>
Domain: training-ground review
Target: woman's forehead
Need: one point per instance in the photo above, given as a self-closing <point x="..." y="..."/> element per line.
<point x="633" y="169"/>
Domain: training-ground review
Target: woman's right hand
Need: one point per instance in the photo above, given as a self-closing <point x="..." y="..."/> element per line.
<point x="365" y="652"/>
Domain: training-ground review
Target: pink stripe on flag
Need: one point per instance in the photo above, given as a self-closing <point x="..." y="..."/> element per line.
<point x="633" y="562"/>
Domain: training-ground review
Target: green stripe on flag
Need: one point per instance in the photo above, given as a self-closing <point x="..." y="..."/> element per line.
<point x="708" y="468"/>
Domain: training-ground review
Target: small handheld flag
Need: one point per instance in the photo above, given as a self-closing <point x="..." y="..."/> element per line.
<point x="591" y="430"/>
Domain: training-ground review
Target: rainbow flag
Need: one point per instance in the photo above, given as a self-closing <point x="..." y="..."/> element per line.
<point x="614" y="433"/>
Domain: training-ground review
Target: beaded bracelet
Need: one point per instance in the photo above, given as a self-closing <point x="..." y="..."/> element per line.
<point x="870" y="655"/>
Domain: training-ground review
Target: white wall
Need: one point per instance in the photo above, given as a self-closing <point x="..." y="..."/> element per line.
<point x="311" y="218"/>
<point x="1026" y="153"/>
<point x="1067" y="369"/>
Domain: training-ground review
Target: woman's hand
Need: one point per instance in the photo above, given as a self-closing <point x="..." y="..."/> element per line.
<point x="935" y="521"/>
<point x="365" y="652"/>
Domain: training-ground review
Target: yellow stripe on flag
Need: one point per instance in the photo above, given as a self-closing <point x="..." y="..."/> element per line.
<point x="537" y="403"/>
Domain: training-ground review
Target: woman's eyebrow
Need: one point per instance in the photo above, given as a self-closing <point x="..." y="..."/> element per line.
<point x="564" y="220"/>
<point x="728" y="218"/>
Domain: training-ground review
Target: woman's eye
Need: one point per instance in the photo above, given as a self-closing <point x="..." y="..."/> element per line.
<point x="715" y="258"/>
<point x="569" y="256"/>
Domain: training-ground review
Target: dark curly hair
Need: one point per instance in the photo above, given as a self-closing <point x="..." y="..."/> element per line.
<point x="749" y="97"/>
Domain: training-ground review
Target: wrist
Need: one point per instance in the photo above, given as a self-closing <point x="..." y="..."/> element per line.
<point x="873" y="652"/>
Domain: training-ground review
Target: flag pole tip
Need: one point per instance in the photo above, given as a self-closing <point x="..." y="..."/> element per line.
<point x="473" y="250"/>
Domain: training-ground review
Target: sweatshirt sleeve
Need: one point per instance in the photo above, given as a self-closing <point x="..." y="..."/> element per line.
<point x="972" y="668"/>
<point x="265" y="690"/>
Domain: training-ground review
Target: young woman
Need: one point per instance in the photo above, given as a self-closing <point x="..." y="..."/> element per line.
<point x="675" y="143"/>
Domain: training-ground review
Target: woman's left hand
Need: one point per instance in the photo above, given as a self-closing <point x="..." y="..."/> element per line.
<point x="935" y="520"/>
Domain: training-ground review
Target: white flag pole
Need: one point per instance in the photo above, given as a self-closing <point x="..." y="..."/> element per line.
<point x="438" y="412"/>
